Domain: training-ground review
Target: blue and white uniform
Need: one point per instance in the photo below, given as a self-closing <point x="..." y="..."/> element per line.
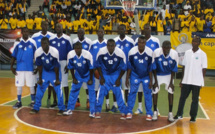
<point x="64" y="45"/>
<point x="82" y="66"/>
<point x="125" y="45"/>
<point x="23" y="52"/>
<point x="48" y="61"/>
<point x="38" y="37"/>
<point x="164" y="66"/>
<point x="86" y="45"/>
<point x="94" y="49"/>
<point x="140" y="64"/>
<point x="111" y="66"/>
<point x="153" y="43"/>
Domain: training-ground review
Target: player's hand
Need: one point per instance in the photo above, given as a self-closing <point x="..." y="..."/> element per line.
<point x="57" y="82"/>
<point x="13" y="71"/>
<point x="40" y="82"/>
<point x="65" y="69"/>
<point x="75" y="81"/>
<point x="35" y="71"/>
<point x="180" y="85"/>
<point x="127" y="83"/>
<point x="90" y="82"/>
<point x="117" y="82"/>
<point x="171" y="86"/>
<point x="155" y="85"/>
<point x="150" y="85"/>
<point x="102" y="81"/>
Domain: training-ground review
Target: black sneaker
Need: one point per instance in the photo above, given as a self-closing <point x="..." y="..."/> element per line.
<point x="17" y="105"/>
<point x="178" y="117"/>
<point x="33" y="111"/>
<point x="31" y="104"/>
<point x="60" y="112"/>
<point x="192" y="119"/>
<point x="107" y="108"/>
<point x="53" y="105"/>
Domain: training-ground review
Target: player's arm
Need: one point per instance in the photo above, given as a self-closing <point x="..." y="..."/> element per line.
<point x="117" y="83"/>
<point x="75" y="81"/>
<point x="40" y="70"/>
<point x="57" y="82"/>
<point x="102" y="80"/>
<point x="127" y="77"/>
<point x="11" y="66"/>
<point x="156" y="80"/>
<point x="171" y="85"/>
<point x="90" y="82"/>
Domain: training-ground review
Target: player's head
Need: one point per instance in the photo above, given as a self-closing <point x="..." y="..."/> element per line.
<point x="45" y="44"/>
<point x="78" y="48"/>
<point x="100" y="33"/>
<point x="121" y="29"/>
<point x="166" y="46"/>
<point x="81" y="33"/>
<point x="141" y="43"/>
<point x="196" y="41"/>
<point x="44" y="25"/>
<point x="59" y="28"/>
<point x="111" y="45"/>
<point x="25" y="33"/>
<point x="147" y="29"/>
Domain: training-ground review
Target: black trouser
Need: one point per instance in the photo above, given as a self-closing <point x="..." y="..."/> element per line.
<point x="185" y="91"/>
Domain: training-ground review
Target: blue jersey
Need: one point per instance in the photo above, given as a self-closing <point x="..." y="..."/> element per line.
<point x="48" y="61"/>
<point x="38" y="36"/>
<point x="86" y="43"/>
<point x="140" y="63"/>
<point x="95" y="47"/>
<point x="165" y="65"/>
<point x="23" y="52"/>
<point x="152" y="43"/>
<point x="111" y="64"/>
<point x="62" y="44"/>
<point x="81" y="64"/>
<point x="125" y="45"/>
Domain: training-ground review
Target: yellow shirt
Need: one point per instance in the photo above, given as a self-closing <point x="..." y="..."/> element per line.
<point x="192" y="26"/>
<point x="153" y="24"/>
<point x="142" y="24"/>
<point x="94" y="29"/>
<point x="52" y="24"/>
<point x="76" y="25"/>
<point x="13" y="23"/>
<point x="200" y="25"/>
<point x="63" y="23"/>
<point x="4" y="23"/>
<point x="160" y="26"/>
<point x="38" y="21"/>
<point x="69" y="25"/>
<point x="21" y="24"/>
<point x="185" y="23"/>
<point x="213" y="28"/>
<point x="182" y="17"/>
<point x="108" y="29"/>
<point x="30" y="23"/>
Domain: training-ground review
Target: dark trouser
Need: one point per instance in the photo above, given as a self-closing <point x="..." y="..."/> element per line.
<point x="185" y="91"/>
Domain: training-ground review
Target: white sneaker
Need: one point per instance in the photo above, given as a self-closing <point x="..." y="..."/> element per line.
<point x="148" y="117"/>
<point x="138" y="111"/>
<point x="68" y="112"/>
<point x="170" y="117"/>
<point x="92" y="115"/>
<point x="129" y="116"/>
<point x="155" y="116"/>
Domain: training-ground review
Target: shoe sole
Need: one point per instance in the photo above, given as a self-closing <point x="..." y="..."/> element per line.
<point x="122" y="118"/>
<point x="154" y="119"/>
<point x="129" y="118"/>
<point x="59" y="114"/>
<point x="149" y="119"/>
<point x="16" y="107"/>
<point x="97" y="117"/>
<point x="170" y="120"/>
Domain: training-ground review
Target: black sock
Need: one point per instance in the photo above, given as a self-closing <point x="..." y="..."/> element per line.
<point x="170" y="108"/>
<point x="155" y="107"/>
<point x="49" y="96"/>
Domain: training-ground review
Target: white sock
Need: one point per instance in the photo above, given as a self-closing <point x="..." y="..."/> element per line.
<point x="107" y="101"/>
<point x="115" y="104"/>
<point x="32" y="90"/>
<point x="88" y="97"/>
<point x="140" y="105"/>
<point x="19" y="90"/>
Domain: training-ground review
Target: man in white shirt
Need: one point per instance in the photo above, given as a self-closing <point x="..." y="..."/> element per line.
<point x="186" y="8"/>
<point x="194" y="69"/>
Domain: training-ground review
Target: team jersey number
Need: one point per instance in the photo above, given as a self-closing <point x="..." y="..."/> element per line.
<point x="79" y="64"/>
<point x="140" y="60"/>
<point x="165" y="63"/>
<point x="110" y="61"/>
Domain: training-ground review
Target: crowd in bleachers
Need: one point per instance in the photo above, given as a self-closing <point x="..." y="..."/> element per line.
<point x="169" y="15"/>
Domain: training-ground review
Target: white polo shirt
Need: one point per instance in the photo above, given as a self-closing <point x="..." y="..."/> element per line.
<point x="194" y="63"/>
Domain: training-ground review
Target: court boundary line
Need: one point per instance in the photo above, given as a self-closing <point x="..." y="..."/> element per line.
<point x="41" y="128"/>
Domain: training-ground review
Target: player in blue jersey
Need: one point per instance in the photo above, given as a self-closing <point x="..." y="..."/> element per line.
<point x="23" y="54"/>
<point x="37" y="37"/>
<point x="153" y="43"/>
<point x="94" y="49"/>
<point x="165" y="66"/>
<point x="86" y="45"/>
<point x="125" y="43"/>
<point x="80" y="63"/>
<point x="63" y="44"/>
<point x="140" y="71"/>
<point x="111" y="64"/>
<point x="47" y="61"/>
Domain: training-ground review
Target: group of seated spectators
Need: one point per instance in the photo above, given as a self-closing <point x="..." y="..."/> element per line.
<point x="180" y="15"/>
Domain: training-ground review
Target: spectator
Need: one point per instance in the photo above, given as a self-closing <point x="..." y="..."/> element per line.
<point x="153" y="25"/>
<point x="176" y="23"/>
<point x="115" y="25"/>
<point x="168" y="28"/>
<point x="63" y="7"/>
<point x="200" y="23"/>
<point x="30" y="22"/>
<point x="13" y="22"/>
<point x="186" y="8"/>
<point x="185" y="25"/>
<point x="193" y="25"/>
<point x="46" y="4"/>
<point x="160" y="29"/>
<point x="21" y="23"/>
<point x="4" y="22"/>
<point x="207" y="26"/>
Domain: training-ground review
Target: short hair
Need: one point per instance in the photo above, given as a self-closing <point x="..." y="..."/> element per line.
<point x="45" y="39"/>
<point x="197" y="37"/>
<point x="111" y="41"/>
<point x="77" y="45"/>
<point x="24" y="28"/>
<point x="166" y="43"/>
<point x="142" y="37"/>
<point x="147" y="25"/>
<point x="122" y="25"/>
